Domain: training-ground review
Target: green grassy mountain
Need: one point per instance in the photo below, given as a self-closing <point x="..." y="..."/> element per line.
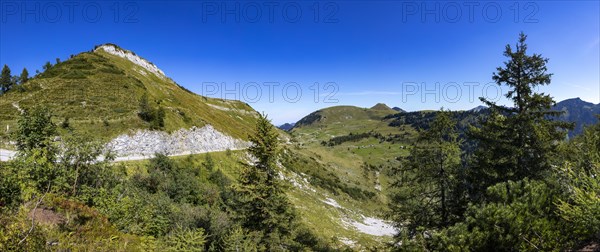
<point x="342" y="115"/>
<point x="337" y="195"/>
<point x="381" y="106"/>
<point x="350" y="153"/>
<point x="353" y="135"/>
<point x="99" y="91"/>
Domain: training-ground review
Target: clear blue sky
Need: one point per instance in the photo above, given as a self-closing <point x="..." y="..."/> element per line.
<point x="371" y="52"/>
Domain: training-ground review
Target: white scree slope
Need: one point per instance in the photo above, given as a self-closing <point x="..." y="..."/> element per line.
<point x="195" y="140"/>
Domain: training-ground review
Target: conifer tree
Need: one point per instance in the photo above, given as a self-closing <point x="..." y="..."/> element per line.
<point x="262" y="203"/>
<point x="516" y="142"/>
<point x="160" y="118"/>
<point x="24" y="76"/>
<point x="5" y="79"/>
<point x="47" y="66"/>
<point x="145" y="112"/>
<point x="428" y="193"/>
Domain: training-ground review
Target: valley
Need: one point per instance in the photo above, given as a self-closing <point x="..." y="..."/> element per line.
<point x="139" y="140"/>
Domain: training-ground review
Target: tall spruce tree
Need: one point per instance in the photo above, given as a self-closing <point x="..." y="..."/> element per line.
<point x="428" y="193"/>
<point x="5" y="79"/>
<point x="516" y="142"/>
<point x="24" y="76"/>
<point x="261" y="201"/>
<point x="159" y="118"/>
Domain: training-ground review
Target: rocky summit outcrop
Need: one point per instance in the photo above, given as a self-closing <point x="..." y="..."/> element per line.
<point x="129" y="55"/>
<point x="181" y="142"/>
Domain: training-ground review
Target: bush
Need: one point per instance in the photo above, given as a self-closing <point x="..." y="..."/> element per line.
<point x="179" y="183"/>
<point x="523" y="219"/>
<point x="65" y="124"/>
<point x="185" y="239"/>
<point x="158" y="121"/>
<point x="156" y="117"/>
<point x="10" y="190"/>
<point x="12" y="228"/>
<point x="145" y="112"/>
<point x="239" y="240"/>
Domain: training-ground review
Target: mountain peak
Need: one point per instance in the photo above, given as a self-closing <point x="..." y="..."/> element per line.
<point x="286" y="126"/>
<point x="381" y="106"/>
<point x="399" y="109"/>
<point x="576" y="99"/>
<point x="478" y="108"/>
<point x="574" y="102"/>
<point x="131" y="56"/>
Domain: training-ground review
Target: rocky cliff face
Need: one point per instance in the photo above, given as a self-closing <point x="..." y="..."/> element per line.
<point x="115" y="50"/>
<point x="181" y="142"/>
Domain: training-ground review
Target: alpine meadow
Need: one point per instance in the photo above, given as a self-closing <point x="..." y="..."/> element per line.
<point x="265" y="126"/>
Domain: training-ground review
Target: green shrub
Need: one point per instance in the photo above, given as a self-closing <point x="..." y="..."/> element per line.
<point x="185" y="239"/>
<point x="10" y="189"/>
<point x="523" y="219"/>
<point x="12" y="230"/>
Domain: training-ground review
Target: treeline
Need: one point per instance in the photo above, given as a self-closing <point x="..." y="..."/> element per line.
<point x="70" y="196"/>
<point x="523" y="188"/>
<point x="10" y="82"/>
<point x="355" y="137"/>
<point x="422" y="120"/>
<point x="347" y="138"/>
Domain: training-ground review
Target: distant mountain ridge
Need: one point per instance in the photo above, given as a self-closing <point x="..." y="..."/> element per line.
<point x="580" y="112"/>
<point x="577" y="111"/>
<point x="478" y="108"/>
<point x="286" y="126"/>
<point x="398" y="109"/>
